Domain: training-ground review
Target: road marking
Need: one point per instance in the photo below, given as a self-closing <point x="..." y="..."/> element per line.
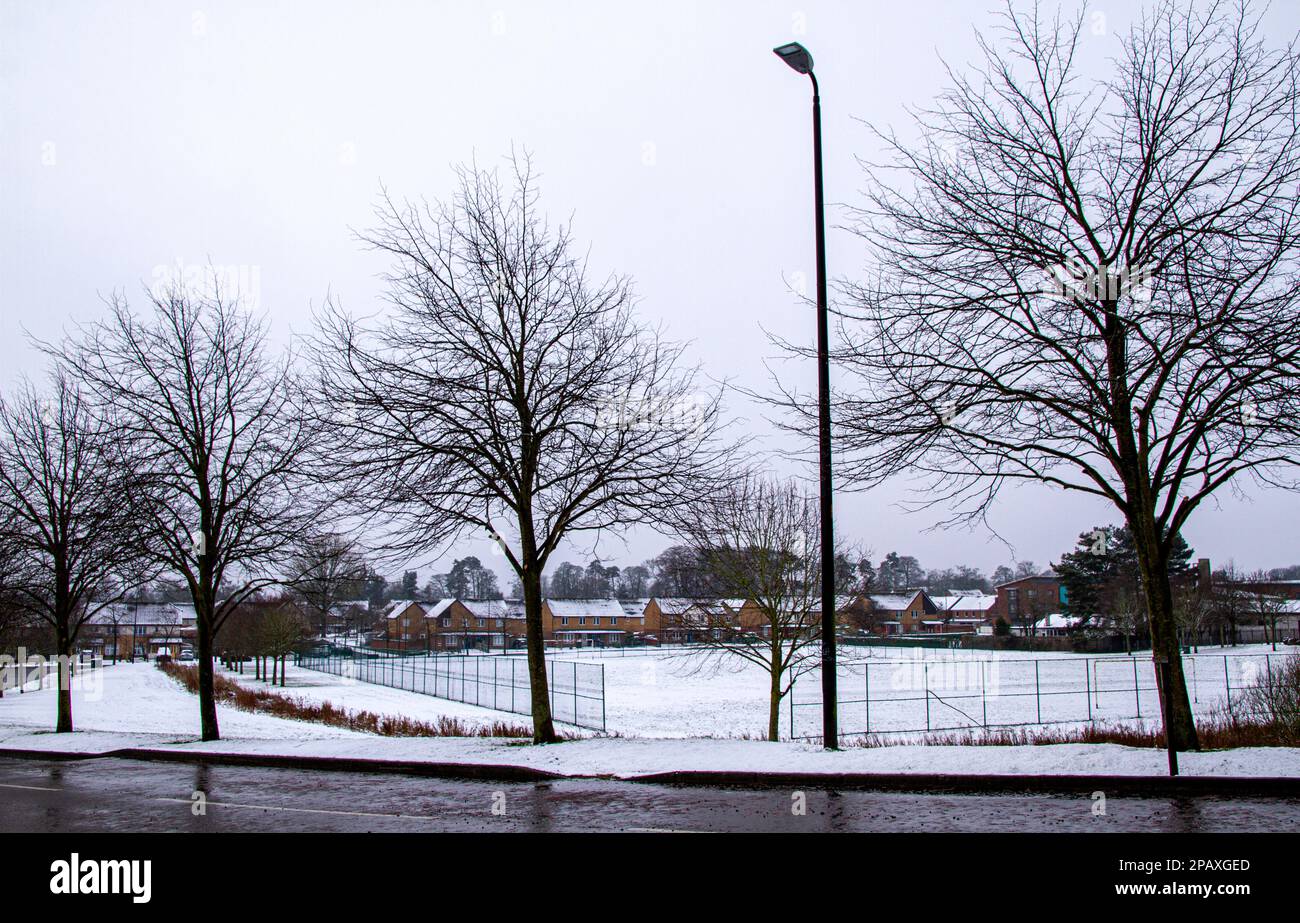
<point x="659" y="830"/>
<point x="271" y="807"/>
<point x="30" y="788"/>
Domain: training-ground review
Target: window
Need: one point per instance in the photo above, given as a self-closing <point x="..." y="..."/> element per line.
<point x="564" y="620"/>
<point x="613" y="620"/>
<point x="582" y="620"/>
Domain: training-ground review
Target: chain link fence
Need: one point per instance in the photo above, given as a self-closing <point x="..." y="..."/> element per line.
<point x="577" y="690"/>
<point x="897" y="696"/>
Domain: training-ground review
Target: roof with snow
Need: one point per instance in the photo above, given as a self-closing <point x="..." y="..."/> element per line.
<point x="584" y="608"/>
<point x="891" y="602"/>
<point x="433" y="610"/>
<point x="676" y="605"/>
<point x="398" y="606"/>
<point x="965" y="602"/>
<point x="143" y="614"/>
<point x="1056" y="620"/>
<point x="495" y="608"/>
<point x="634" y="606"/>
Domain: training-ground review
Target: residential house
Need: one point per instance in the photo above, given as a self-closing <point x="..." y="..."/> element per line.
<point x="126" y="631"/>
<point x="403" y="626"/>
<point x="585" y="622"/>
<point x="1026" y="599"/>
<point x="475" y="624"/>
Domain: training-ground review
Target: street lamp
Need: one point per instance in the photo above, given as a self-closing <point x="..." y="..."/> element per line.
<point x="799" y="60"/>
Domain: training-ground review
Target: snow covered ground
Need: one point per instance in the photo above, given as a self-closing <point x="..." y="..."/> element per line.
<point x="135" y="705"/>
<point x="314" y="686"/>
<point x="690" y="693"/>
<point x="685" y="692"/>
<point x="138" y="698"/>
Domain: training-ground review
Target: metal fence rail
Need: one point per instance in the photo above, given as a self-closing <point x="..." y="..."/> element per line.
<point x="577" y="690"/>
<point x="896" y="696"/>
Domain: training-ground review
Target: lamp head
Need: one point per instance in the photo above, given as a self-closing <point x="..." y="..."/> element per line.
<point x="796" y="56"/>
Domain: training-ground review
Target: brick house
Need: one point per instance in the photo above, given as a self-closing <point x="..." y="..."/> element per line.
<point x="475" y="624"/>
<point x="1025" y="600"/>
<point x="586" y="622"/>
<point x="402" y="625"/>
<point x="127" y="631"/>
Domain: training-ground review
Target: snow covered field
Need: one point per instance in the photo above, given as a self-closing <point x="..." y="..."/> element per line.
<point x="138" y="698"/>
<point x="665" y="693"/>
<point x="135" y="705"/>
<point x="690" y="693"/>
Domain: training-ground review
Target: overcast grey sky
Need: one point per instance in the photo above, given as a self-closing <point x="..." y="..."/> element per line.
<point x="146" y="137"/>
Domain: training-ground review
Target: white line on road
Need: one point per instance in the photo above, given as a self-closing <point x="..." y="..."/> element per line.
<point x="30" y="788"/>
<point x="270" y="807"/>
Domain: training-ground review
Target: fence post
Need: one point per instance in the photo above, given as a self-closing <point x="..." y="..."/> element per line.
<point x="984" y="698"/>
<point x="1038" y="697"/>
<point x="866" y="692"/>
<point x="925" y="672"/>
<point x="602" y="698"/>
<point x="792" y="688"/>
<point x="1087" y="688"/>
<point x="1227" y="683"/>
<point x="1137" y="696"/>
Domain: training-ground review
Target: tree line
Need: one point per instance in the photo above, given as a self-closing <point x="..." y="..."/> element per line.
<point x="1085" y="282"/>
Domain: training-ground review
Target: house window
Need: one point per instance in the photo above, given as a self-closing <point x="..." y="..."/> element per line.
<point x="564" y="620"/>
<point x="613" y="620"/>
<point x="582" y="620"/>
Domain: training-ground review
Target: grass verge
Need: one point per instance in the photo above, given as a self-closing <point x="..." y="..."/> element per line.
<point x="264" y="701"/>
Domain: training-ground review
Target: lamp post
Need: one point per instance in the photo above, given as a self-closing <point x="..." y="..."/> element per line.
<point x="799" y="60"/>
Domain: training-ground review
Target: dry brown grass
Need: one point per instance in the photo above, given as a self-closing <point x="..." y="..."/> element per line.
<point x="264" y="701"/>
<point x="1219" y="731"/>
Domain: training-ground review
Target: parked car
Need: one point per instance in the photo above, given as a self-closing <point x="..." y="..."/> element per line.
<point x="1294" y="642"/>
<point x="186" y="655"/>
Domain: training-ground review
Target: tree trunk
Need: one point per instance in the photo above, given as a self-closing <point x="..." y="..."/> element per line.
<point x="1175" y="703"/>
<point x="209" y="730"/>
<point x="774" y="695"/>
<point x="64" y="681"/>
<point x="543" y="726"/>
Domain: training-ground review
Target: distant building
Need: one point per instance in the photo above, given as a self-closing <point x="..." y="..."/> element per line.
<point x="587" y="622"/>
<point x="1025" y="600"/>
<point x="129" y="631"/>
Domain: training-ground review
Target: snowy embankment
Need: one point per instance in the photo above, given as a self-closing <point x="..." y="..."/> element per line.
<point x="136" y="706"/>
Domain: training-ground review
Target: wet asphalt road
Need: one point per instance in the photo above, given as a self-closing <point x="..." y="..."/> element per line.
<point x="107" y="795"/>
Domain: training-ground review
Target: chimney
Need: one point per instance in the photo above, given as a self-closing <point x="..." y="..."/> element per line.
<point x="1203" y="583"/>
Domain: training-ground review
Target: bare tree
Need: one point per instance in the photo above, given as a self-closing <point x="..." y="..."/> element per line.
<point x="323" y="567"/>
<point x="220" y="445"/>
<point x="509" y="393"/>
<point x="1192" y="610"/>
<point x="1268" y="606"/>
<point x="759" y="540"/>
<point x="1231" y="601"/>
<point x="1090" y="285"/>
<point x="73" y="544"/>
<point x="280" y="628"/>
